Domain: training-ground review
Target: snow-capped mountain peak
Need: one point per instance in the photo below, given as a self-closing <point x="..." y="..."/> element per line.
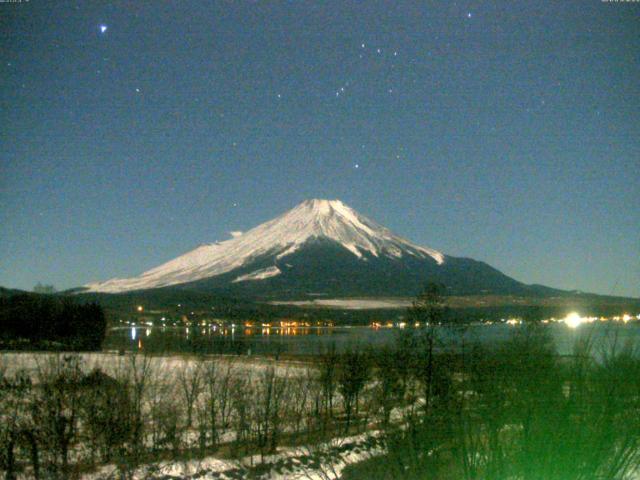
<point x="312" y="219"/>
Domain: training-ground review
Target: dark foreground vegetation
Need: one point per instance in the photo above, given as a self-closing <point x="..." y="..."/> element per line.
<point x="514" y="412"/>
<point x="520" y="412"/>
<point x="428" y="410"/>
<point x="517" y="411"/>
<point x="36" y="321"/>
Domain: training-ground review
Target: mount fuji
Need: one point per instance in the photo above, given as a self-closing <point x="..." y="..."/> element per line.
<point x="319" y="248"/>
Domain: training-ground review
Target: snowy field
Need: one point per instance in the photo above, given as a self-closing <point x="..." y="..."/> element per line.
<point x="350" y="303"/>
<point x="320" y="462"/>
<point x="114" y="364"/>
<point x="324" y="460"/>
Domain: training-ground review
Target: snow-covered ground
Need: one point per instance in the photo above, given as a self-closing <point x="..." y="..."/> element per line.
<point x="349" y="303"/>
<point x="166" y="365"/>
<point x="320" y="462"/>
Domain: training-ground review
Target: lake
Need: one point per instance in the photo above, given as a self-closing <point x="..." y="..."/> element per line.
<point x="313" y="340"/>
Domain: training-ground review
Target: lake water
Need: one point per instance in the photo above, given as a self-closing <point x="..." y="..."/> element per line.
<point x="313" y="340"/>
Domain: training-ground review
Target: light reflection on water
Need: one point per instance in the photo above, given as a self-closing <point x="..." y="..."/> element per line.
<point x="312" y="340"/>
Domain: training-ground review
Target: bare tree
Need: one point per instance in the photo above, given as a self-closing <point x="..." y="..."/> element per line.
<point x="428" y="310"/>
<point x="328" y="378"/>
<point x="391" y="386"/>
<point x="270" y="393"/>
<point x="353" y="375"/>
<point x="215" y="407"/>
<point x="190" y="382"/>
<point x="105" y="410"/>
<point x="300" y="401"/>
<point x="139" y="373"/>
<point x="59" y="409"/>
<point x="15" y="391"/>
<point x="242" y="395"/>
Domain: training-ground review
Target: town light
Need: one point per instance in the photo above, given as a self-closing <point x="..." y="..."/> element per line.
<point x="573" y="320"/>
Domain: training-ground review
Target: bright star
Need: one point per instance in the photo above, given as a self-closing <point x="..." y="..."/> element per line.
<point x="357" y="165"/>
<point x="469" y="15"/>
<point x="103" y="28"/>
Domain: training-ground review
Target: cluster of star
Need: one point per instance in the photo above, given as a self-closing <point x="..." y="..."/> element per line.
<point x="378" y="54"/>
<point x="382" y="57"/>
<point x="342" y="89"/>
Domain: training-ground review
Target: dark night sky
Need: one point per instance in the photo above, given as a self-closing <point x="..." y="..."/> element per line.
<point x="507" y="132"/>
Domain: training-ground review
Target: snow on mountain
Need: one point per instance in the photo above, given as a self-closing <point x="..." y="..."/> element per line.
<point x="259" y="274"/>
<point x="312" y="219"/>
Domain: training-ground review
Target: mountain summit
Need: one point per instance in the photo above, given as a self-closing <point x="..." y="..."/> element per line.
<point x="320" y="247"/>
<point x="311" y="220"/>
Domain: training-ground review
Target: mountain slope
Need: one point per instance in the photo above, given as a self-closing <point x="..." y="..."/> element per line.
<point x="319" y="248"/>
<point x="324" y="268"/>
